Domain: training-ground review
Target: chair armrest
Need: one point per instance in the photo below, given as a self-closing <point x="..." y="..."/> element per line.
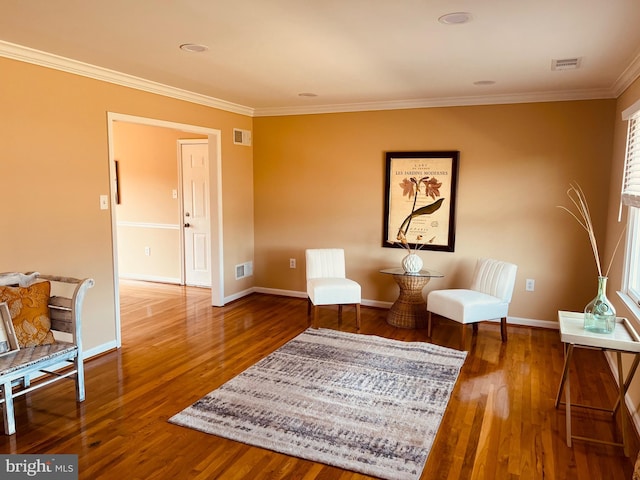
<point x="66" y="312"/>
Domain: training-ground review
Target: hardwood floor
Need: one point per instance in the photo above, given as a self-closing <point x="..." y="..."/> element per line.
<point x="501" y="422"/>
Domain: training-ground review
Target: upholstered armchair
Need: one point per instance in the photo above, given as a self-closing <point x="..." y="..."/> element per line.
<point x="487" y="298"/>
<point x="327" y="283"/>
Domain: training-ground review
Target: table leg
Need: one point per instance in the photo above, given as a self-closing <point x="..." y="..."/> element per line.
<point x="632" y="372"/>
<point x="565" y="373"/>
<point x="567" y="399"/>
<point x="565" y="384"/>
<point x="410" y="309"/>
<point x="623" y="409"/>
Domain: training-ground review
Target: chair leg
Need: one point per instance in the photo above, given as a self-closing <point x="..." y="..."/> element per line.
<point x="308" y="306"/>
<point x="339" y="315"/>
<point x="314" y="318"/>
<point x="463" y="337"/>
<point x="358" y="317"/>
<point x="9" y="418"/>
<point x="475" y="328"/>
<point x="503" y="328"/>
<point x="79" y="365"/>
<point x="428" y="324"/>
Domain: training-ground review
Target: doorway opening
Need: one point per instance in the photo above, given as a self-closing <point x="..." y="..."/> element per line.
<point x="212" y="200"/>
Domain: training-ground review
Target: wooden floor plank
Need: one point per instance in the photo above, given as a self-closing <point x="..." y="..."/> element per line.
<point x="501" y="421"/>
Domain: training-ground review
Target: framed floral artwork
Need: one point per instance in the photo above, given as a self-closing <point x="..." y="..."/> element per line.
<point x="420" y="200"/>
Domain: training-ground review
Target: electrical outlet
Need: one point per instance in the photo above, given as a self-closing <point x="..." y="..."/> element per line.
<point x="530" y="285"/>
<point x="292" y="263"/>
<point x="147" y="251"/>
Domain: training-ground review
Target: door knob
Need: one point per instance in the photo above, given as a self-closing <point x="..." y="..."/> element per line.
<point x="187" y="225"/>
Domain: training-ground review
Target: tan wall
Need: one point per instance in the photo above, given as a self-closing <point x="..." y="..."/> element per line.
<point x="319" y="182"/>
<point x="53" y="132"/>
<point x="148" y="215"/>
<point x="163" y="263"/>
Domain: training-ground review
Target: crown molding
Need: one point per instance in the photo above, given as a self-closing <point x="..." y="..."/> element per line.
<point x="628" y="76"/>
<point x="49" y="60"/>
<point x="561" y="96"/>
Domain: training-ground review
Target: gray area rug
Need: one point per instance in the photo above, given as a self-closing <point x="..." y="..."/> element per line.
<point x="359" y="402"/>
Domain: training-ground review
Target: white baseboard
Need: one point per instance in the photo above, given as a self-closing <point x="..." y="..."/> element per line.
<point x="297" y="294"/>
<point x="378" y="304"/>
<point x="238" y="295"/>
<point x="282" y="293"/>
<point x="529" y="322"/>
<point x="100" y="349"/>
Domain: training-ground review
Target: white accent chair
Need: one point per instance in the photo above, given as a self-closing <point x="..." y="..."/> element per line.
<point x="327" y="283"/>
<point x="488" y="298"/>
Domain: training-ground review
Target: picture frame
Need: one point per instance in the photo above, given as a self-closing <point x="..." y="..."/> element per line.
<point x="420" y="200"/>
<point x="8" y="339"/>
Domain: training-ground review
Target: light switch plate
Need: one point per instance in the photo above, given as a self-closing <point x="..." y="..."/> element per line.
<point x="104" y="202"/>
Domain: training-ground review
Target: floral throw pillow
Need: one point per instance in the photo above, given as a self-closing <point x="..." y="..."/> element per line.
<point x="29" y="311"/>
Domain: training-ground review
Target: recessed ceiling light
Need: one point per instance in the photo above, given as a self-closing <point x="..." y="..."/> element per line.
<point x="455" y="18"/>
<point x="193" y="47"/>
<point x="307" y="94"/>
<point x="481" y="83"/>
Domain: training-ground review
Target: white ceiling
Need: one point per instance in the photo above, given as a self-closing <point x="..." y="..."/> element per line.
<point x="354" y="54"/>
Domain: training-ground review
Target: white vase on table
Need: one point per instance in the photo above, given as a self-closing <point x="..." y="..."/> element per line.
<point x="412" y="263"/>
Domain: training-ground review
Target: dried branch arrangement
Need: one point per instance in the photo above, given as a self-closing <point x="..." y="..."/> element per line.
<point x="583" y="217"/>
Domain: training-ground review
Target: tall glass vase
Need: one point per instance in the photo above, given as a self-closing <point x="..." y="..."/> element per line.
<point x="599" y="314"/>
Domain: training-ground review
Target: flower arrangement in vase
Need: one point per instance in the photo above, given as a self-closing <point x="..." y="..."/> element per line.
<point x="411" y="187"/>
<point x="411" y="263"/>
<point x="599" y="313"/>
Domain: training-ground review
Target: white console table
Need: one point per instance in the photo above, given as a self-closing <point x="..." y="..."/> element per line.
<point x="624" y="339"/>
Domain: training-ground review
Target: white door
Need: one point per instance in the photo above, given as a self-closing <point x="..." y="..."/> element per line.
<point x="196" y="216"/>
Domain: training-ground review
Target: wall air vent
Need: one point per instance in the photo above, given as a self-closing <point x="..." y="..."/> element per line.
<point x="242" y="137"/>
<point x="244" y="270"/>
<point x="566" y="64"/>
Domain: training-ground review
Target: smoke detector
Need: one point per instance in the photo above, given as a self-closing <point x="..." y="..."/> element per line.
<point x="566" y="64"/>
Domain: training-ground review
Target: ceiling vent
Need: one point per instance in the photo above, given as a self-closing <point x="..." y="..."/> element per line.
<point x="242" y="137"/>
<point x="566" y="64"/>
